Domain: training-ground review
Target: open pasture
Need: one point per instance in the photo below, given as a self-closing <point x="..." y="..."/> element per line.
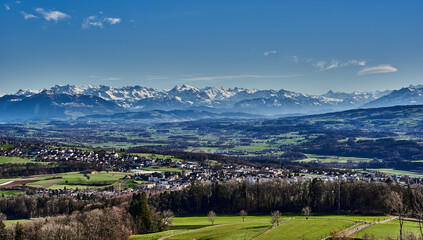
<point x="389" y="229"/>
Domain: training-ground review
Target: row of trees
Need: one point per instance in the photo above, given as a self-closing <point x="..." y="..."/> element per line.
<point x="317" y="196"/>
<point x="232" y="197"/>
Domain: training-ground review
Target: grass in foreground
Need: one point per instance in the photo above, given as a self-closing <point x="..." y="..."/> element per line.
<point x="154" y="236"/>
<point x="322" y="224"/>
<point x="389" y="229"/>
<point x="306" y="229"/>
<point x="231" y="231"/>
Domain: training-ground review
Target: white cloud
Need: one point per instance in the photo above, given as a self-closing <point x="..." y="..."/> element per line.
<point x="211" y="78"/>
<point x="52" y="15"/>
<point x="294" y="59"/>
<point x="356" y="62"/>
<point x="334" y="63"/>
<point x="320" y="65"/>
<point x="28" y="15"/>
<point x="94" y="21"/>
<point x="7" y="7"/>
<point x="270" y="52"/>
<point x="112" y="20"/>
<point x="377" y="69"/>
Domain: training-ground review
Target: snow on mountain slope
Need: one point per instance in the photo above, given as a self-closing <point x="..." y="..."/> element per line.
<point x="403" y="96"/>
<point x="247" y="100"/>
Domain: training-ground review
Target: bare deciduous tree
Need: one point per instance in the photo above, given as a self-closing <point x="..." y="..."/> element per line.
<point x="396" y="204"/>
<point x="276" y="216"/>
<point x="243" y="214"/>
<point x="306" y="211"/>
<point x="418" y="207"/>
<point x="212" y="217"/>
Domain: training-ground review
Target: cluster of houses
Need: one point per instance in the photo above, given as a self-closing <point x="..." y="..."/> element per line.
<point x="158" y="173"/>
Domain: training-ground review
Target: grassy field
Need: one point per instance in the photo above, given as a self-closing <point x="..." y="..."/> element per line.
<point x="10" y="193"/>
<point x="154" y="236"/>
<point x="232" y="227"/>
<point x="333" y="159"/>
<point x="158" y="156"/>
<point x="162" y="169"/>
<point x="75" y="180"/>
<point x="397" y="172"/>
<point x="13" y="222"/>
<point x="230" y="231"/>
<point x="6" y="146"/>
<point x="17" y="160"/>
<point x="305" y="229"/>
<point x="389" y="229"/>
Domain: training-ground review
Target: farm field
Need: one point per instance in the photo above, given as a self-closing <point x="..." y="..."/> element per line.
<point x="389" y="229"/>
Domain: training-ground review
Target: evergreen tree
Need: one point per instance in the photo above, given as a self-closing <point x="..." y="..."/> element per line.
<point x="19" y="234"/>
<point x="140" y="211"/>
<point x="2" y="226"/>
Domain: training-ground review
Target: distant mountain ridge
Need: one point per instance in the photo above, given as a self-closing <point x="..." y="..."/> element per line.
<point x="48" y="104"/>
<point x="137" y="98"/>
<point x="70" y="101"/>
<point x="412" y="95"/>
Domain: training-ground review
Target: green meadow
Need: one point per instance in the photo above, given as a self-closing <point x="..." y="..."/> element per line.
<point x="258" y="227"/>
<point x="390" y="229"/>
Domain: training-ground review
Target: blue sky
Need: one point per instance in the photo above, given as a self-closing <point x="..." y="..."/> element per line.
<point x="306" y="46"/>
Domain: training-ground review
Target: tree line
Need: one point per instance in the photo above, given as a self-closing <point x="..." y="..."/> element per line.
<point x="281" y="195"/>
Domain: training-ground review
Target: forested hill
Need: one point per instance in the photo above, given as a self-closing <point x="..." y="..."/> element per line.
<point x="397" y="118"/>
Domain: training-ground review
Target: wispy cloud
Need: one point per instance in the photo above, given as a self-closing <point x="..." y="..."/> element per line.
<point x="50" y="15"/>
<point x="7" y="7"/>
<point x="269" y="53"/>
<point x="320" y="65"/>
<point x="334" y="63"/>
<point x="28" y="15"/>
<point x="377" y="69"/>
<point x="157" y="77"/>
<point x="211" y="78"/>
<point x="105" y="78"/>
<point x="95" y="21"/>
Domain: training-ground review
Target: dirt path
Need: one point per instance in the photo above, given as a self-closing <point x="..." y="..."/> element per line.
<point x="359" y="227"/>
<point x="14" y="183"/>
<point x="274" y="226"/>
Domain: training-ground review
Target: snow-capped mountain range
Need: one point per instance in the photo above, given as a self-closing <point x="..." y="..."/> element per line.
<point x="212" y="99"/>
<point x="143" y="98"/>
